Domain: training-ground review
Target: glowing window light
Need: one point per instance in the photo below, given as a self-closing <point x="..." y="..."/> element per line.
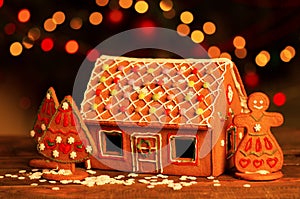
<point x="95" y="18"/>
<point x="141" y="7"/>
<point x="16" y="49"/>
<point x="225" y="55"/>
<point x="214" y="52"/>
<point x="239" y="42"/>
<point x="209" y="28"/>
<point x="1" y="3"/>
<point x="197" y="36"/>
<point x="279" y="99"/>
<point x="76" y="23"/>
<point x="262" y="58"/>
<point x="24" y="15"/>
<point x="166" y="5"/>
<point x="49" y="25"/>
<point x="183" y="29"/>
<point x="59" y="17"/>
<point x="27" y="43"/>
<point x="34" y="34"/>
<point x="125" y="3"/>
<point x="186" y="17"/>
<point x="47" y="44"/>
<point x="10" y="28"/>
<point x="102" y="2"/>
<point x="115" y="16"/>
<point x="169" y="14"/>
<point x="240" y="53"/>
<point x="71" y="47"/>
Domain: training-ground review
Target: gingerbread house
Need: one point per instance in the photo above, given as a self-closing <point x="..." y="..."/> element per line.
<point x="171" y="116"/>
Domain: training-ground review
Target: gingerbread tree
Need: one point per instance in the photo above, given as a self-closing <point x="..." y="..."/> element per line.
<point x="45" y="113"/>
<point x="67" y="141"/>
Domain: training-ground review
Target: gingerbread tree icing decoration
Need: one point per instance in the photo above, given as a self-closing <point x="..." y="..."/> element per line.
<point x="66" y="140"/>
<point x="45" y="113"/>
<point x="258" y="156"/>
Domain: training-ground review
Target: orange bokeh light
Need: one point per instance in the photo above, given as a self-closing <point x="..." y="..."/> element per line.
<point x="225" y="55"/>
<point x="16" y="49"/>
<point x="96" y="18"/>
<point x="183" y="29"/>
<point x="197" y="36"/>
<point x="102" y="2"/>
<point x="141" y="6"/>
<point x="166" y="5"/>
<point x="262" y="58"/>
<point x="76" y="23"/>
<point x="34" y="34"/>
<point x="71" y="47"/>
<point x="240" y="53"/>
<point x="186" y="17"/>
<point x="125" y="3"/>
<point x="49" y="25"/>
<point x="214" y="52"/>
<point x="239" y="42"/>
<point x="209" y="28"/>
<point x="59" y="17"/>
<point x="24" y="15"/>
<point x="169" y="14"/>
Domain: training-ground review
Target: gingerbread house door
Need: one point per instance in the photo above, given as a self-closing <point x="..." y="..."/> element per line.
<point x="146" y="154"/>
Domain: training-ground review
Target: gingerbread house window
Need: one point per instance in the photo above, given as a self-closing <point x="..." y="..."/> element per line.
<point x="183" y="149"/>
<point x="111" y="143"/>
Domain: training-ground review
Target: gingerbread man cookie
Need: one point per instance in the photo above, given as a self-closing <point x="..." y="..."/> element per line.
<point x="258" y="156"/>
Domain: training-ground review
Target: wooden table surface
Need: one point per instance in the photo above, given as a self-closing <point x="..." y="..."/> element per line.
<point x="15" y="153"/>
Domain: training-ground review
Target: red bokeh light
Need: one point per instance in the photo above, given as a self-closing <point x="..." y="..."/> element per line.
<point x="47" y="44"/>
<point x="279" y="99"/>
<point x="1" y="3"/>
<point x="92" y="55"/>
<point x="115" y="16"/>
<point x="251" y="79"/>
<point x="10" y="28"/>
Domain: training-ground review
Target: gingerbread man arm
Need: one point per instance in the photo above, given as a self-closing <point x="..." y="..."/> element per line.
<point x="239" y="120"/>
<point x="274" y="119"/>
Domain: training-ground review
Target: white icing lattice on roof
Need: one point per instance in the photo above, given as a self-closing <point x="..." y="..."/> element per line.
<point x="154" y="91"/>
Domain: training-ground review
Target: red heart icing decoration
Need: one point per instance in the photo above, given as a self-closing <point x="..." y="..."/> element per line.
<point x="272" y="162"/>
<point x="65" y="148"/>
<point x="244" y="162"/>
<point x="258" y="163"/>
<point x="78" y="146"/>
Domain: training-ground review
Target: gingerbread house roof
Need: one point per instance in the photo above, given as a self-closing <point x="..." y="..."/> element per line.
<point x="155" y="91"/>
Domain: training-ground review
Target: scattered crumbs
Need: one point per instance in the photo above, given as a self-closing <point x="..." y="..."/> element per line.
<point x="22" y="171"/>
<point x="21" y="178"/>
<point x="65" y="181"/>
<point x="217" y="185"/>
<point x="34" y="184"/>
<point x="148" y="177"/>
<point x="133" y="175"/>
<point x="52" y="181"/>
<point x="76" y="181"/>
<point x="162" y="176"/>
<point x="153" y="180"/>
<point x="183" y="178"/>
<point x="150" y="186"/>
<point x="247" y="185"/>
<point x="216" y="181"/>
<point x="144" y="181"/>
<point x="55" y="188"/>
<point x="119" y="177"/>
<point x="91" y="172"/>
<point x="43" y="180"/>
<point x="210" y="177"/>
<point x="7" y="175"/>
<point x="34" y="170"/>
<point x="191" y="178"/>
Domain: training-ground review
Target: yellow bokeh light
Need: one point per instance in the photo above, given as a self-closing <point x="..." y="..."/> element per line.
<point x="34" y="34"/>
<point x="141" y="7"/>
<point x="166" y="5"/>
<point x="27" y="42"/>
<point x="49" y="25"/>
<point x="214" y="52"/>
<point x="102" y="2"/>
<point x="71" y="47"/>
<point x="183" y="29"/>
<point x="125" y="3"/>
<point x="24" y="15"/>
<point x="285" y="55"/>
<point x="16" y="49"/>
<point x="169" y="14"/>
<point x="225" y="55"/>
<point x="186" y="17"/>
<point x="197" y="36"/>
<point x="239" y="42"/>
<point x="76" y="23"/>
<point x="292" y="50"/>
<point x="209" y="28"/>
<point x="96" y="18"/>
<point x="58" y="17"/>
<point x="262" y="58"/>
<point x="240" y="53"/>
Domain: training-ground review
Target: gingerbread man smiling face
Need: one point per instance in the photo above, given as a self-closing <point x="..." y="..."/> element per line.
<point x="258" y="102"/>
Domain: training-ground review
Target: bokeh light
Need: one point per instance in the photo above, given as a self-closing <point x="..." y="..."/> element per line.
<point x="10" y="28"/>
<point x="141" y="6"/>
<point x="115" y="16"/>
<point x="262" y="58"/>
<point x="239" y="42"/>
<point x="27" y="43"/>
<point x="183" y="29"/>
<point x="214" y="52"/>
<point x="16" y="49"/>
<point x="47" y="44"/>
<point x="76" y="23"/>
<point x="279" y="99"/>
<point x="251" y="79"/>
<point x="166" y="5"/>
<point x="1" y="3"/>
<point x="197" y="36"/>
<point x="287" y="54"/>
<point x="96" y="18"/>
<point x="125" y="3"/>
<point x="240" y="53"/>
<point x="49" y="25"/>
<point x="92" y="55"/>
<point x="102" y="2"/>
<point x="71" y="47"/>
<point x="24" y="15"/>
<point x="225" y="55"/>
<point x="186" y="17"/>
<point x="209" y="28"/>
<point x="34" y="33"/>
<point x="170" y="14"/>
<point x="58" y="17"/>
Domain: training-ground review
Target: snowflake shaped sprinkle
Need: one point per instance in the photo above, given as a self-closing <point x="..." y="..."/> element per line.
<point x="89" y="149"/>
<point x="32" y="133"/>
<point x="257" y="127"/>
<point x="58" y="139"/>
<point x="71" y="140"/>
<point x="42" y="146"/>
<point x="73" y="155"/>
<point x="65" y="106"/>
<point x="55" y="153"/>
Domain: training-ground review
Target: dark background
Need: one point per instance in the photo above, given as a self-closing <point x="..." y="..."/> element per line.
<point x="266" y="25"/>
